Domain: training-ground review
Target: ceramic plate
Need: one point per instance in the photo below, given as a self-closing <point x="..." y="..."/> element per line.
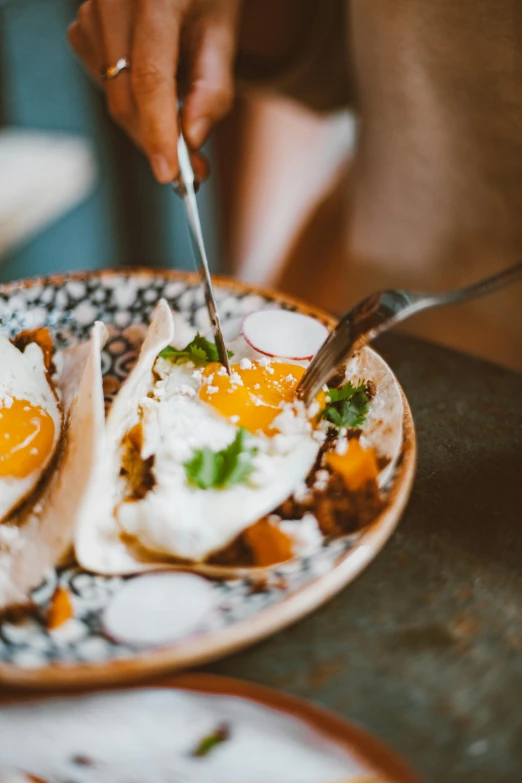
<point x="200" y="727"/>
<point x="32" y="657"/>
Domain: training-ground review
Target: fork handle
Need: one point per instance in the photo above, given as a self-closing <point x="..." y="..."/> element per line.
<point x="472" y="291"/>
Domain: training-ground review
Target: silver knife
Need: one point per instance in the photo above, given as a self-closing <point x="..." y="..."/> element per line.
<point x="184" y="187"/>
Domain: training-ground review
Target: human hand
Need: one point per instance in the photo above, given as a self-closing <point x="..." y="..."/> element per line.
<point x="177" y="49"/>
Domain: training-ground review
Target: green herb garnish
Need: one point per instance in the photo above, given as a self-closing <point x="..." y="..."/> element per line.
<point x="200" y="350"/>
<point x="209" y="469"/>
<point x="208" y="743"/>
<point x="348" y="406"/>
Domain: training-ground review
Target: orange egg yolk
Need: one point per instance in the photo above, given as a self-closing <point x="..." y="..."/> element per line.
<point x="255" y="400"/>
<point x="26" y="438"/>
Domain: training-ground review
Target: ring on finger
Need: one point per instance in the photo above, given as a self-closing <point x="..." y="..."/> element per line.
<point x="111" y="71"/>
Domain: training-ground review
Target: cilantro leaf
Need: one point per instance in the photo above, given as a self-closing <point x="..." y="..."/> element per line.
<point x="208" y="743"/>
<point x="348" y="406"/>
<point x="232" y="465"/>
<point x="200" y="350"/>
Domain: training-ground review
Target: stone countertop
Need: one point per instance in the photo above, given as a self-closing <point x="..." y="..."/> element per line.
<point x="425" y="648"/>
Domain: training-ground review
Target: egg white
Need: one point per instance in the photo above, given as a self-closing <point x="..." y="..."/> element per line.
<point x="23" y="376"/>
<point x="180" y="520"/>
<point x="38" y="536"/>
<point x="176" y="519"/>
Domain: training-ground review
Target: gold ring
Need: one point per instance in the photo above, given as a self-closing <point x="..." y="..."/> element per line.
<point x="112" y="71"/>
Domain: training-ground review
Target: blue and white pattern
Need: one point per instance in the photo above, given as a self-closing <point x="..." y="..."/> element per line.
<point x="125" y="301"/>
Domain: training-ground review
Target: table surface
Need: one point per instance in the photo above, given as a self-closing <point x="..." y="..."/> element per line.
<point x="425" y="648"/>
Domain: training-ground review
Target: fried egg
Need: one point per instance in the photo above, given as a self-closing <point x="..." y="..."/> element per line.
<point x="189" y="410"/>
<point x="38" y="535"/>
<point x="30" y="423"/>
<point x="166" y="414"/>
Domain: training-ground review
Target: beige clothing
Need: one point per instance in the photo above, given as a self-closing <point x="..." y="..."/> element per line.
<point x="435" y="190"/>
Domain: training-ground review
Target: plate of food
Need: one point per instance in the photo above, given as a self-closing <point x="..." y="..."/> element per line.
<point x="157" y="513"/>
<point x="197" y="727"/>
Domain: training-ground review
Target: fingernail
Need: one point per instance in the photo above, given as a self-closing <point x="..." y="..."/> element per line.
<point x="161" y="169"/>
<point x="199" y="131"/>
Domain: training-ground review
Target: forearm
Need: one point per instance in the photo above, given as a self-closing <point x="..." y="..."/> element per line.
<point x="297" y="48"/>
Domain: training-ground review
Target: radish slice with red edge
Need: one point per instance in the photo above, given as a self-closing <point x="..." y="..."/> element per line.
<point x="157" y="609"/>
<point x="284" y="334"/>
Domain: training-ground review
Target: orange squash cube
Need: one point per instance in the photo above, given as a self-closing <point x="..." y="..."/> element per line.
<point x="268" y="544"/>
<point x="357" y="467"/>
<point x="60" y="609"/>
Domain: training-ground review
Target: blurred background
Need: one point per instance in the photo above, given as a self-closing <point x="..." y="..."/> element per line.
<point x="76" y="195"/>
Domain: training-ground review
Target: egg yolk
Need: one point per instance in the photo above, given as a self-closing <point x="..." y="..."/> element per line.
<point x="252" y="397"/>
<point x="26" y="438"/>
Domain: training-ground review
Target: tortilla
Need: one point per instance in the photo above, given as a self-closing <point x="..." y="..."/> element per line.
<point x="40" y="534"/>
<point x="99" y="544"/>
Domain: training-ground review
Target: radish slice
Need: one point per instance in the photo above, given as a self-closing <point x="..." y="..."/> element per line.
<point x="284" y="334"/>
<point x="158" y="609"/>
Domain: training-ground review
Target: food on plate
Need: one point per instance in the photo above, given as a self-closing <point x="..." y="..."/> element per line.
<point x="60" y="609"/>
<point x="160" y="735"/>
<point x="217" y="472"/>
<point x="30" y="417"/>
<point x="51" y="431"/>
<point x="160" y="608"/>
<point x="284" y="333"/>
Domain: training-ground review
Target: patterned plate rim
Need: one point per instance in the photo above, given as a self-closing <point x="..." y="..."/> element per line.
<point x="218" y="644"/>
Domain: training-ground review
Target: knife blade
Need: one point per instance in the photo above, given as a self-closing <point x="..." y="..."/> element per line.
<point x="184" y="187"/>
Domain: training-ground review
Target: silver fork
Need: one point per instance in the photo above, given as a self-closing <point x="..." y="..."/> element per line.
<point x="378" y="313"/>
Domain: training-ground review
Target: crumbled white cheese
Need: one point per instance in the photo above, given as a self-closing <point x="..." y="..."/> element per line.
<point x="264" y="361"/>
<point x="265" y="470"/>
<point x="234" y="419"/>
<point x="301" y="493"/>
<point x="290" y="422"/>
<point x="189" y="391"/>
<point x="162" y="367"/>
<point x="236" y="379"/>
<point x="212" y="389"/>
<point x="245" y="364"/>
<point x="314" y="409"/>
<point x="341" y="446"/>
<point x="257" y="386"/>
<point x="305" y="534"/>
<point x="222" y="370"/>
<point x="322" y="478"/>
<point x="198" y="375"/>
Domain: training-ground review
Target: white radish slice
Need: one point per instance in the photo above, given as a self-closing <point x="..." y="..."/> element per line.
<point x="284" y="334"/>
<point x="157" y="609"/>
